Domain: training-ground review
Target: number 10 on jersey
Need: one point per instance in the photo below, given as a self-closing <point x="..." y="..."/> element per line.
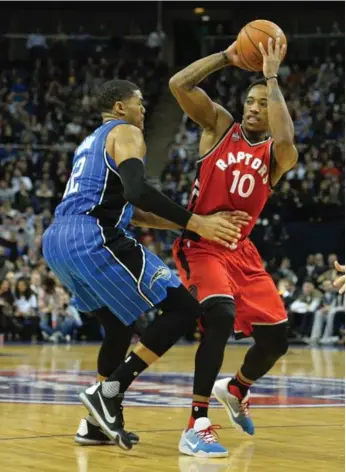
<point x="243" y="185"/>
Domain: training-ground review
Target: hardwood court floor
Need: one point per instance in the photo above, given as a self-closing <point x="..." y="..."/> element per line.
<point x="40" y="412"/>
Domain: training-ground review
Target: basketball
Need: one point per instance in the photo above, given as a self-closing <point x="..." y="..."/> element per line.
<point x="255" y="32"/>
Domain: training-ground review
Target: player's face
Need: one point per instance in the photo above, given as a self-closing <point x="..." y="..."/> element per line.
<point x="255" y="116"/>
<point x="134" y="110"/>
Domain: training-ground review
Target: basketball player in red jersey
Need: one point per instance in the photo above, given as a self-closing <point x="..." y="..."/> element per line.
<point x="239" y="165"/>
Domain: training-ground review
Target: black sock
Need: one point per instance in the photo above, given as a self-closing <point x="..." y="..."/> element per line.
<point x="199" y="410"/>
<point x="242" y="386"/>
<point x="124" y="375"/>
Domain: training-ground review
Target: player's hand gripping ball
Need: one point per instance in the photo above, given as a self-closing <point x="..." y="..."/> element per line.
<point x="250" y="55"/>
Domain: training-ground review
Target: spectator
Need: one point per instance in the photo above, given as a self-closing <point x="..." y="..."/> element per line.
<point x="6" y="310"/>
<point x="44" y="197"/>
<point x="58" y="318"/>
<point x="330" y="272"/>
<point x="286" y="272"/>
<point x="320" y="267"/>
<point x="25" y="310"/>
<point x="303" y="309"/>
<point x="332" y="304"/>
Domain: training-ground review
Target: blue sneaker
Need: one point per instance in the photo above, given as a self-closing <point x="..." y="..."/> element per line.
<point x="200" y="441"/>
<point x="236" y="407"/>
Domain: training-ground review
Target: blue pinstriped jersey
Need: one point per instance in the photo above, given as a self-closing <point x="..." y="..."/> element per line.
<point x="95" y="187"/>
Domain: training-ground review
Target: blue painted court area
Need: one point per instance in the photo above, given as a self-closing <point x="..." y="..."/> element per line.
<point x="27" y="385"/>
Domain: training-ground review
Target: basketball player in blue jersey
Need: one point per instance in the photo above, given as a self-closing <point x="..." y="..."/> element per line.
<point x="108" y="272"/>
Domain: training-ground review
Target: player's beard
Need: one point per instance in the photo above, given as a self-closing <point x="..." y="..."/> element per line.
<point x="255" y="135"/>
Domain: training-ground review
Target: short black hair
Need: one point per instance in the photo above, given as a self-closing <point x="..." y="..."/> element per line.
<point x="253" y="84"/>
<point x="112" y="91"/>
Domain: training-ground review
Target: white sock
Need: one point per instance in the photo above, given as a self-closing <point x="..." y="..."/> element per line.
<point x="110" y="389"/>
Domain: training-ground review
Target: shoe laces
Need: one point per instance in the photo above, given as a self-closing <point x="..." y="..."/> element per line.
<point x="243" y="404"/>
<point x="244" y="407"/>
<point x="209" y="435"/>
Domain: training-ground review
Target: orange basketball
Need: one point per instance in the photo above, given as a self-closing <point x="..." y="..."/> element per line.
<point x="258" y="31"/>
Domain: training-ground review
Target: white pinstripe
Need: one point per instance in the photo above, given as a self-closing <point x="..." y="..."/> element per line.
<point x="76" y="268"/>
<point x="92" y="167"/>
<point x="60" y="273"/>
<point x="124" y="266"/>
<point x="67" y="251"/>
<point x="82" y="275"/>
<point x="108" y="167"/>
<point x="52" y="259"/>
<point x="97" y="301"/>
<point x="106" y="277"/>
<point x="114" y="285"/>
<point x="131" y="287"/>
<point x="140" y="281"/>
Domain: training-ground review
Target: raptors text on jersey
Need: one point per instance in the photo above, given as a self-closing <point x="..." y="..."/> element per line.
<point x="233" y="175"/>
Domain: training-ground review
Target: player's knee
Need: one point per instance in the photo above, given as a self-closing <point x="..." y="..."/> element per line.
<point x="278" y="348"/>
<point x="218" y="315"/>
<point x="180" y="302"/>
<point x="276" y="343"/>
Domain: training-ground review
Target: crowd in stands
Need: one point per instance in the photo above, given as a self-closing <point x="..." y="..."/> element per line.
<point x="47" y="108"/>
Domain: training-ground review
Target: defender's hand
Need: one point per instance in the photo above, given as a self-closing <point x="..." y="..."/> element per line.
<point x="237" y="217"/>
<point x="272" y="59"/>
<point x="215" y="228"/>
<point x="340" y="281"/>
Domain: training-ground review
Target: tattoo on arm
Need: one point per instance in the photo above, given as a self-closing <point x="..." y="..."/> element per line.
<point x="275" y="94"/>
<point x="199" y="70"/>
<point x="280" y="121"/>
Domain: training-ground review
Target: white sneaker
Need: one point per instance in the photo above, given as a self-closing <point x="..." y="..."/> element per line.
<point x="236" y="408"/>
<point x="200" y="441"/>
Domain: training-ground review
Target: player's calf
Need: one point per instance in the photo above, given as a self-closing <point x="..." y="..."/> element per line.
<point x="217" y="324"/>
<point x="233" y="393"/>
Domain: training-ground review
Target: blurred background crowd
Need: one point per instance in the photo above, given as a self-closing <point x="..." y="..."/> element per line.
<point x="47" y="108"/>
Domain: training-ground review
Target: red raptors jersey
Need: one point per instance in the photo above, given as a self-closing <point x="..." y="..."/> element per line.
<point x="234" y="175"/>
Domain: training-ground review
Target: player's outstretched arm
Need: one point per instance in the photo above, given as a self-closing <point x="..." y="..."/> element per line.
<point x="125" y="144"/>
<point x="193" y="100"/>
<point x="145" y="219"/>
<point x="280" y="121"/>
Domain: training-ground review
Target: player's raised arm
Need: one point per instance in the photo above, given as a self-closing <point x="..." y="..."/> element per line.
<point x="280" y="121"/>
<point x="193" y="100"/>
<point x="125" y="144"/>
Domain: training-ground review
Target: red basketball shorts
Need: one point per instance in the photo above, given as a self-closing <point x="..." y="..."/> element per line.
<point x="209" y="270"/>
